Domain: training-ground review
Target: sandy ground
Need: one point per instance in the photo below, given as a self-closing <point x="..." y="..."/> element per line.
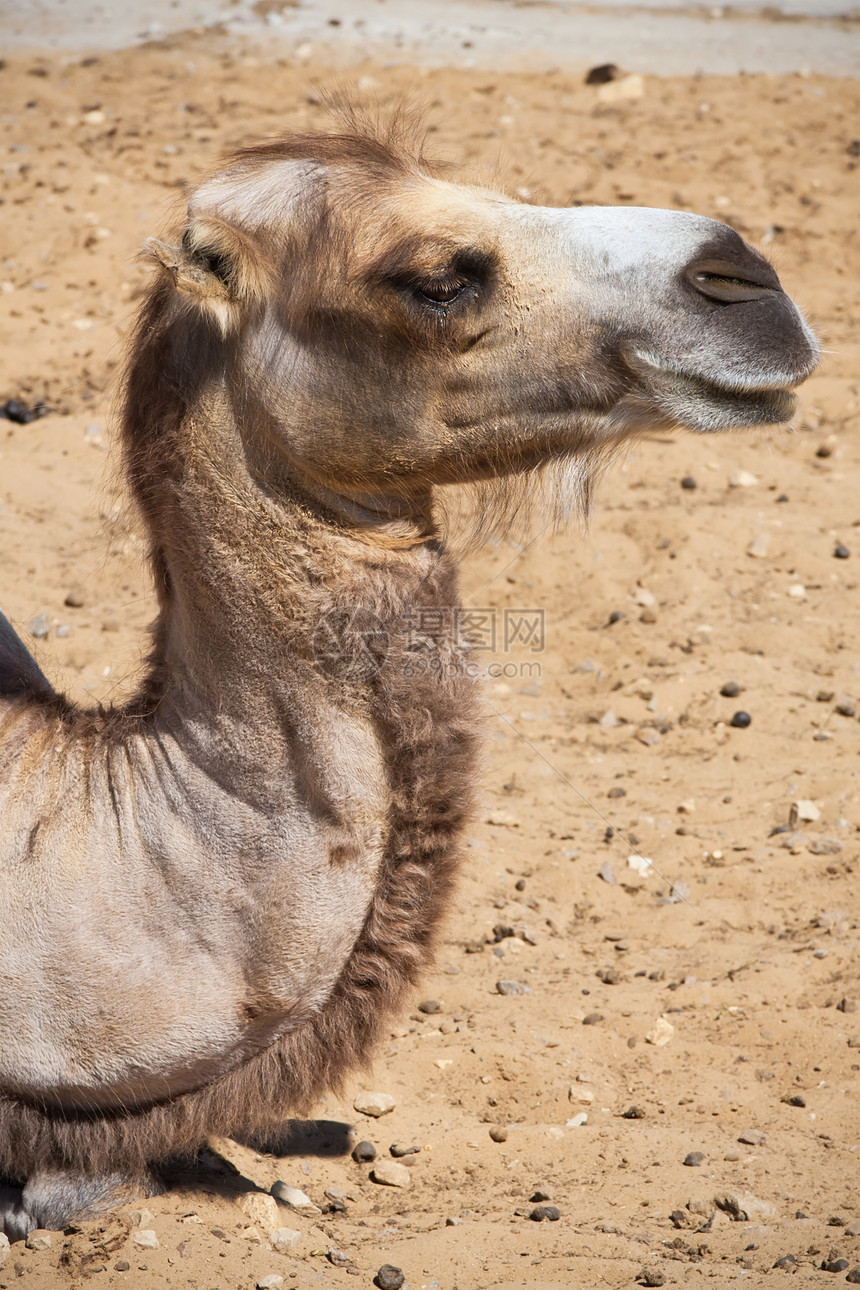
<point x="607" y="739"/>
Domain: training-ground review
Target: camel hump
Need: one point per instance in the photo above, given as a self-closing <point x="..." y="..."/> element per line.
<point x="19" y="671"/>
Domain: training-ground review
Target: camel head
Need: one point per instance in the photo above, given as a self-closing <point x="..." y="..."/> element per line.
<point x="383" y="330"/>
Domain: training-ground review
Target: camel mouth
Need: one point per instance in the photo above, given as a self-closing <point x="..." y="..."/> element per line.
<point x="707" y="404"/>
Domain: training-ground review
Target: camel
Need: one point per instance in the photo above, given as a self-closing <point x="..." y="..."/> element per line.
<point x="215" y="896"/>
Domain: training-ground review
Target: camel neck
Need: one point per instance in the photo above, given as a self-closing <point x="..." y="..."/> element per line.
<point x="270" y="592"/>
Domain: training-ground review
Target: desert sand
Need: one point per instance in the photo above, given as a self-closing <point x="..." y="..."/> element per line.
<point x="705" y="1003"/>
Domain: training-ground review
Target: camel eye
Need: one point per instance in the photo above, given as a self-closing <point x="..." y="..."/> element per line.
<point x="440" y="293"/>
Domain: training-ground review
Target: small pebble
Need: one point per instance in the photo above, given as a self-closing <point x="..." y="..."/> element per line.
<point x="648" y="736"/>
<point x="284" y="1239"/>
<point x="845" y="707"/>
<point x="293" y="1197"/>
<point x="694" y="1159"/>
<point x="40" y="626"/>
<point x="145" y="1239"/>
<point x="835" y="1265"/>
<point x="545" y="1214"/>
<point x="430" y="1006"/>
<point x="122" y="1266"/>
<point x="688" y="482"/>
<point x="853" y="1229"/>
<point x="545" y="1192"/>
<point x="270" y="1282"/>
<point x="338" y="1258"/>
<point x="847" y="1005"/>
<point x="795" y="1099"/>
<point x="374" y="1104"/>
<point x="841" y="552"/>
<point x="363" y="1153"/>
<point x="617" y="792"/>
<point x="399" y="1149"/>
<point x="388" y="1173"/>
<point x="788" y="1263"/>
<point x="741" y="720"/>
<point x="633" y="1113"/>
<point x="607" y="873"/>
<point x="730" y="690"/>
<point x="651" y="1277"/>
<point x="74" y="598"/>
<point x="41" y="1240"/>
<point x="593" y="1019"/>
<point x="753" y="1138"/>
<point x="511" y="987"/>
<point x="498" y="1133"/>
<point x="853" y="1277"/>
<point x="389" y="1277"/>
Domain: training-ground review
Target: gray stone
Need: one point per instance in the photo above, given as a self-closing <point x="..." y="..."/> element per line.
<point x="512" y="987"/>
<point x="545" y="1214"/>
<point x="753" y="1138"/>
<point x="389" y="1277"/>
<point x="399" y="1149"/>
<point x="40" y="626"/>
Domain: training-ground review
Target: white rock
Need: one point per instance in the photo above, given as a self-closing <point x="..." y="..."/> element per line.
<point x="4" y="1248"/>
<point x="296" y="1199"/>
<point x="622" y="90"/>
<point x="639" y="864"/>
<point x="644" y="597"/>
<point x="759" y="546"/>
<point x="271" y="1282"/>
<point x="660" y="1033"/>
<point x="261" y="1209"/>
<point x="578" y="1120"/>
<point x="803" y="809"/>
<point x="141" y="1217"/>
<point x="584" y="1096"/>
<point x="797" y="591"/>
<point x="374" y="1104"/>
<point x="145" y="1239"/>
<point x="38" y="1240"/>
<point x="742" y="479"/>
<point x="284" y="1239"/>
<point x="501" y="820"/>
<point x="687" y="807"/>
<point x="390" y="1174"/>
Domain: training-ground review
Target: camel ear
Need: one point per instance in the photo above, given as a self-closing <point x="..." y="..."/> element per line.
<point x="215" y="267"/>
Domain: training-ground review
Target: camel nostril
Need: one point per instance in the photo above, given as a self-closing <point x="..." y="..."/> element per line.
<point x="732" y="283"/>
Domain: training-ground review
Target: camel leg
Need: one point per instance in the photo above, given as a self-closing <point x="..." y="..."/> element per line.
<point x="53" y="1200"/>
